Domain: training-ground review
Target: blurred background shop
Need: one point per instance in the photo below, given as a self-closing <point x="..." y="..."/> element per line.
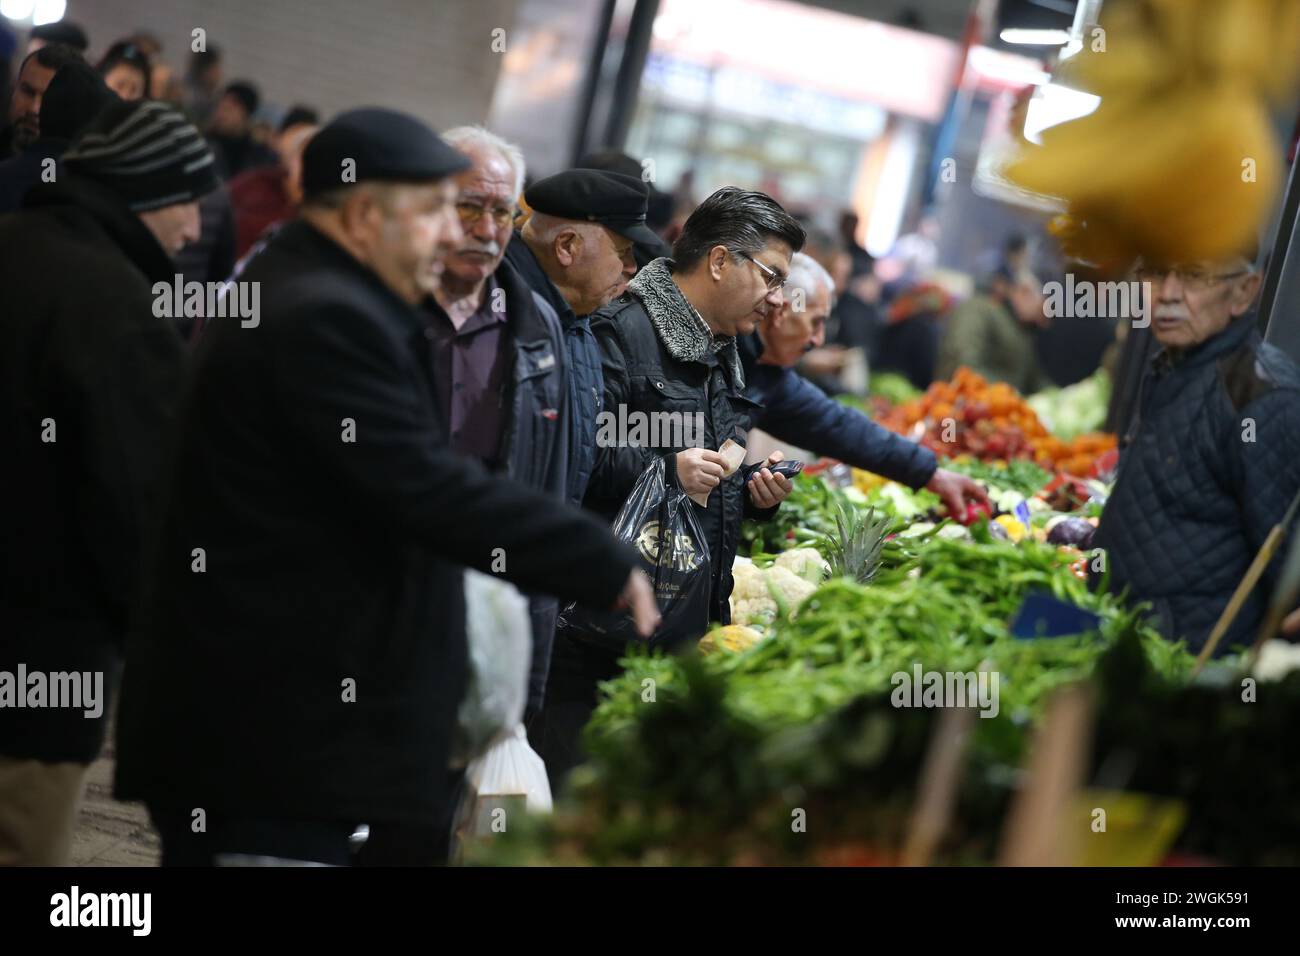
<point x="881" y="123"/>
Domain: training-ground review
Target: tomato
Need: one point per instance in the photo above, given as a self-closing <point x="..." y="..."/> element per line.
<point x="975" y="510"/>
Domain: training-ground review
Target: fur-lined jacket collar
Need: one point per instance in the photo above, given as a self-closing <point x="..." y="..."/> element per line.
<point x="683" y="332"/>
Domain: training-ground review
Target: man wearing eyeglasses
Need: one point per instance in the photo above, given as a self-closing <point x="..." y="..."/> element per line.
<point x="1211" y="460"/>
<point x="498" y="350"/>
<point x="669" y="349"/>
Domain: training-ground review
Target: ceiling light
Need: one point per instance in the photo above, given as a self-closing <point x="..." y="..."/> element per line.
<point x="17" y="9"/>
<point x="1025" y="37"/>
<point x="49" y="11"/>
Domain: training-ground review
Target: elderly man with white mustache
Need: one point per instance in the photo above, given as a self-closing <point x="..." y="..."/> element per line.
<point x="1212" y="459"/>
<point x="497" y="349"/>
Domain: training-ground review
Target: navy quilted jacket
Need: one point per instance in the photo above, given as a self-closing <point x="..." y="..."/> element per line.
<point x="797" y="411"/>
<point x="1210" y="464"/>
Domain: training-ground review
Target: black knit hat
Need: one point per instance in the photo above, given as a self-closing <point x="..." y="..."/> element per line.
<point x="61" y="31"/>
<point x="246" y="93"/>
<point x="72" y="100"/>
<point x="147" y="153"/>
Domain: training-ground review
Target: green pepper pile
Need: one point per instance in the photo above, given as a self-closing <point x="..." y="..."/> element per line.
<point x="701" y="759"/>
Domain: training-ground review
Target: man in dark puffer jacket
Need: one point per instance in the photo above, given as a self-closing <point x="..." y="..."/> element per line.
<point x="1212" y="459"/>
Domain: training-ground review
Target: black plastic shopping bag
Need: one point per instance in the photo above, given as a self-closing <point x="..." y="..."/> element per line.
<point x="659" y="521"/>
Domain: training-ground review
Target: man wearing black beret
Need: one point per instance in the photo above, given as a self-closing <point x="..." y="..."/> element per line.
<point x="304" y="654"/>
<point x="575" y="250"/>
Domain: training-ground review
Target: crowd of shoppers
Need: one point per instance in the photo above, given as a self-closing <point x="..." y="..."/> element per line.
<point x="260" y="519"/>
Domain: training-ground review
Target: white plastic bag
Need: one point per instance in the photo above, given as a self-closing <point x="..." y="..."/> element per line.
<point x="500" y="636"/>
<point x="502" y="784"/>
<point x="504" y="776"/>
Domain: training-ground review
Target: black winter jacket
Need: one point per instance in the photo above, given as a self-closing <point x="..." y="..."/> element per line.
<point x="1211" y="462"/>
<point x="81" y="349"/>
<point x="312" y="666"/>
<point x="655" y="360"/>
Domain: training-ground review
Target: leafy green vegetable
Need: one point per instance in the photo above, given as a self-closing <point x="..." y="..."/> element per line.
<point x="805" y="517"/>
<point x="1075" y="409"/>
<point x="1020" y="474"/>
<point x="892" y="386"/>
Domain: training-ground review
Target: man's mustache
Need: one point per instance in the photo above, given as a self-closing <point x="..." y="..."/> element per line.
<point x="491" y="249"/>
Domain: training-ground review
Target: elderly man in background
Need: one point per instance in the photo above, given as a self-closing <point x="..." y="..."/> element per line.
<point x="576" y="251"/>
<point x="796" y="411"/>
<point x="992" y="333"/>
<point x="497" y="347"/>
<point x="1212" y="459"/>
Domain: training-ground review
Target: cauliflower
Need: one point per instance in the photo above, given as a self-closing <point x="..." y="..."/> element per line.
<point x="792" y="587"/>
<point x="1276" y="660"/>
<point x="752" y="601"/>
<point x="806" y="563"/>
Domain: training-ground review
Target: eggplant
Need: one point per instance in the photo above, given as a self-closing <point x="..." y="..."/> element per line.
<point x="1075" y="532"/>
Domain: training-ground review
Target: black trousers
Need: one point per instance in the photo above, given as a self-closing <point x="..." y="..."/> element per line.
<point x="228" y="841"/>
<point x="231" y="841"/>
<point x="577" y="667"/>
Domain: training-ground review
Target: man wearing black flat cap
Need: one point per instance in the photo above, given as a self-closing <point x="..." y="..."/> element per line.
<point x="304" y="656"/>
<point x="576" y="251"/>
<point x="659" y="205"/>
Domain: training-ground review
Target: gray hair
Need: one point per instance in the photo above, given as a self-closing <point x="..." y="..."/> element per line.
<point x="806" y="272"/>
<point x="469" y="139"/>
<point x="541" y="231"/>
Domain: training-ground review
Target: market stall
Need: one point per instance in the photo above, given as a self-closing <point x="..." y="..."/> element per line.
<point x="801" y="733"/>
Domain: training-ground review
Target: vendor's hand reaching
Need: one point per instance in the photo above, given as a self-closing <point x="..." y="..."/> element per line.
<point x="956" y="490"/>
<point x="639" y="598"/>
<point x="1291" y="626"/>
<point x="699" y="470"/>
<point x="767" y="490"/>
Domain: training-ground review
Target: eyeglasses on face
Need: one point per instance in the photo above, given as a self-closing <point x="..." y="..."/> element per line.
<point x="775" y="280"/>
<point x="471" y="212"/>
<point x="1191" y="277"/>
